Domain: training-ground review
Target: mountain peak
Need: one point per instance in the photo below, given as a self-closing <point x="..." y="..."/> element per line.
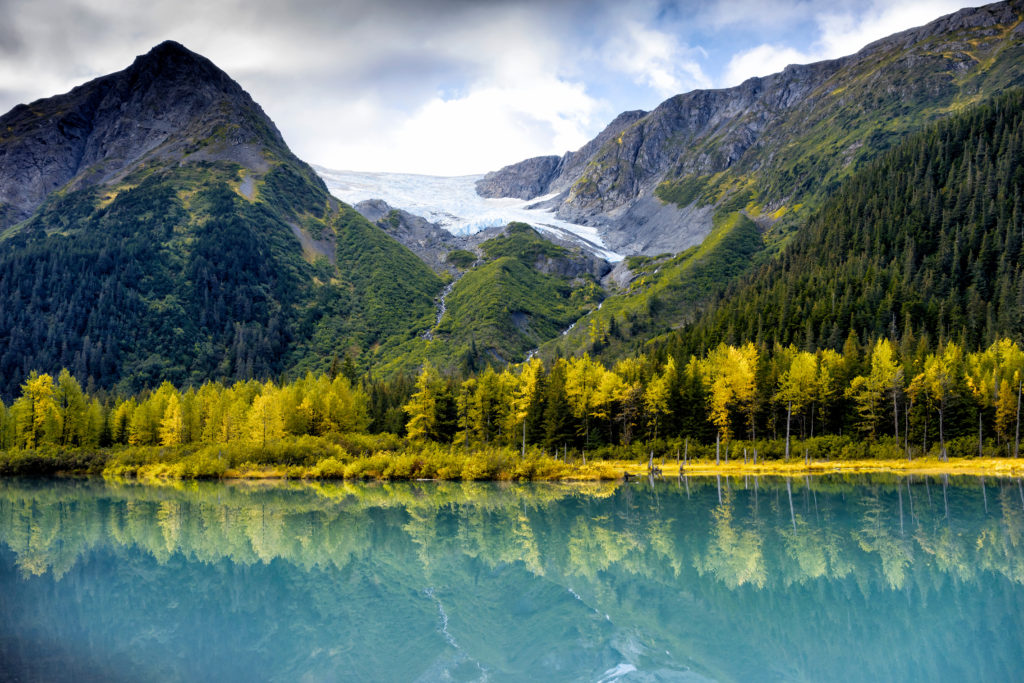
<point x="172" y="62"/>
<point x="170" y="49"/>
<point x="170" y="106"/>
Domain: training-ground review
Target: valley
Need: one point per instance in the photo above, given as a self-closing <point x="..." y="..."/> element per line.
<point x="821" y="210"/>
<point x="733" y="389"/>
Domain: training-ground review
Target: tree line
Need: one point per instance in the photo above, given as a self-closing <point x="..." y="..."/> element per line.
<point x="918" y="396"/>
<point x="58" y="413"/>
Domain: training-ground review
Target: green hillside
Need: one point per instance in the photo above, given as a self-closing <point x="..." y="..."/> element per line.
<point x="520" y="292"/>
<point x="666" y="292"/>
<point x="177" y="275"/>
<point x="203" y="249"/>
<point x="862" y="110"/>
<point x="925" y="241"/>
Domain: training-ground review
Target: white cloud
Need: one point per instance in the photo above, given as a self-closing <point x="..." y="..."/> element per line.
<point x="845" y="33"/>
<point x="760" y="61"/>
<point x="517" y="106"/>
<point x="655" y="59"/>
<point x="440" y="86"/>
<point x="840" y="33"/>
<point x="486" y="128"/>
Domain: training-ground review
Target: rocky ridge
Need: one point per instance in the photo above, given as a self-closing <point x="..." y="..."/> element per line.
<point x="786" y="138"/>
<point x="170" y="106"/>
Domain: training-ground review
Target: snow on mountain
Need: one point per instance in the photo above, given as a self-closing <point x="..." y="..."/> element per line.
<point x="452" y="203"/>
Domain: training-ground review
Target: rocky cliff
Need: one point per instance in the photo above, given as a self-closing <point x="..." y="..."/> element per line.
<point x="170" y="105"/>
<point x="772" y="145"/>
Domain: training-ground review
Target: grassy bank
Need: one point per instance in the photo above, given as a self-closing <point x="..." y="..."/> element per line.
<point x="978" y="467"/>
<point x="386" y="457"/>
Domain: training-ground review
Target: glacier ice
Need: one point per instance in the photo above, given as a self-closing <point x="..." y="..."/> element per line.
<point x="452" y="203"/>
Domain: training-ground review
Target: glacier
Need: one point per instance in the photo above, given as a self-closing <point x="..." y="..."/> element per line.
<point x="452" y="203"/>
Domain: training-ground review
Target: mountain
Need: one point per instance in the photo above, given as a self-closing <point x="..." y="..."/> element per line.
<point x="923" y="245"/>
<point x="169" y="105"/>
<point x="775" y="146"/>
<point x="157" y="227"/>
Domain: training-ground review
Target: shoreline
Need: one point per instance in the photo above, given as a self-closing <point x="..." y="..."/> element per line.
<point x="926" y="466"/>
<point x="630" y="470"/>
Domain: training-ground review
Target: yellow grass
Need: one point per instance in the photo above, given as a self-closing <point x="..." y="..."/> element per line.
<point x="979" y="467"/>
<point x="605" y="470"/>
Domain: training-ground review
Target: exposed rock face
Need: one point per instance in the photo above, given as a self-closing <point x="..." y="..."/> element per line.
<point x="577" y="263"/>
<point x="427" y="240"/>
<point x="789" y="136"/>
<point x="525" y="180"/>
<point x="543" y="175"/>
<point x="170" y="104"/>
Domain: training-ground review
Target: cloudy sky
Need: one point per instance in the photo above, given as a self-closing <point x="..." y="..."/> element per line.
<point x="444" y="87"/>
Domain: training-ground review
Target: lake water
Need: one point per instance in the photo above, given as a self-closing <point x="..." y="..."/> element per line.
<point x="814" y="579"/>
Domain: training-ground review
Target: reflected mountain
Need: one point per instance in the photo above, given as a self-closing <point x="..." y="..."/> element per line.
<point x="727" y="579"/>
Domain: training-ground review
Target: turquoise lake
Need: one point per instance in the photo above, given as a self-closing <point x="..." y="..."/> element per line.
<point x="817" y="579"/>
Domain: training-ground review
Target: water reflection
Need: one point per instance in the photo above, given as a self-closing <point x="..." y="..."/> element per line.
<point x="729" y="579"/>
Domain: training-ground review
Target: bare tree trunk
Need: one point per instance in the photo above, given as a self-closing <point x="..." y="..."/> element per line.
<point x="789" y="415"/>
<point x="980" y="433"/>
<point x="906" y="430"/>
<point x="895" y="415"/>
<point x="942" y="435"/>
<point x="1016" y="440"/>
<point x="718" y="447"/>
<point x="924" y="445"/>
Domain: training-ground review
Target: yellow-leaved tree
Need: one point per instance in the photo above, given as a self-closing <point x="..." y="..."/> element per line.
<point x="265" y="420"/>
<point x="798" y="386"/>
<point x="526" y="391"/>
<point x="942" y="371"/>
<point x="659" y="393"/>
<point x="867" y="391"/>
<point x="582" y="381"/>
<point x="422" y="405"/>
<point x="172" y="425"/>
<point x="35" y="414"/>
<point x="729" y="374"/>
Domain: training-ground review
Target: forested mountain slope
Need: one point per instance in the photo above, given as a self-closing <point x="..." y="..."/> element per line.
<point x="160" y="229"/>
<point x="511" y="293"/>
<point x="927" y="240"/>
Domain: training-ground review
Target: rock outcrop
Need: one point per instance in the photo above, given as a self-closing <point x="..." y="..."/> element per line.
<point x="427" y="240"/>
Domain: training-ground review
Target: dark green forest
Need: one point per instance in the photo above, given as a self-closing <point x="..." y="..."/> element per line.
<point x="181" y="278"/>
<point x="926" y="242"/>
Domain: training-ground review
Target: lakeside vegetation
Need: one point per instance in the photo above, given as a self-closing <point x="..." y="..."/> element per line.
<point x="573" y="418"/>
